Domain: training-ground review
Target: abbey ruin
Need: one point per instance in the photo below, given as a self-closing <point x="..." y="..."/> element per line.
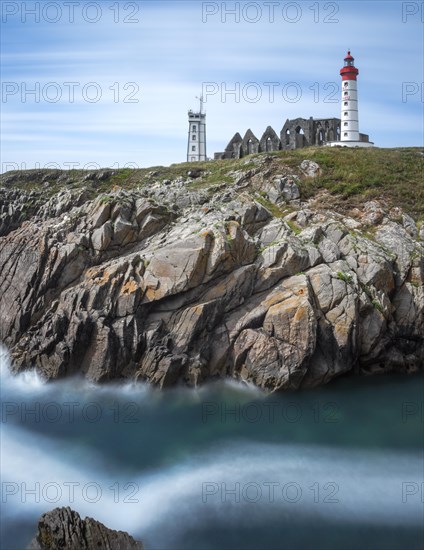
<point x="297" y="133"/>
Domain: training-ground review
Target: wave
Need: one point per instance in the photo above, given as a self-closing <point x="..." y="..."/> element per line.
<point x="242" y="483"/>
<point x="354" y="486"/>
<point x="32" y="383"/>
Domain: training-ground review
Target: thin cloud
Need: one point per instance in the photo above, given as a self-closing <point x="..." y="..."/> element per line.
<point x="171" y="52"/>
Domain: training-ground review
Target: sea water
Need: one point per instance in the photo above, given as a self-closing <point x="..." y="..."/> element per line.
<point x="224" y="466"/>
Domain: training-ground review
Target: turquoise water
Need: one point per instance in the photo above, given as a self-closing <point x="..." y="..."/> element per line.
<point x="224" y="466"/>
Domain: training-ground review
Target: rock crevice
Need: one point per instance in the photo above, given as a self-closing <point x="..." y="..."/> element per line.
<point x="170" y="284"/>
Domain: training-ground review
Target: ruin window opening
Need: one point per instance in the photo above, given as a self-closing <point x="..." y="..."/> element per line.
<point x="268" y="145"/>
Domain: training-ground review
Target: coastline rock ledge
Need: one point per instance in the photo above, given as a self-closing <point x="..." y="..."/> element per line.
<point x="189" y="280"/>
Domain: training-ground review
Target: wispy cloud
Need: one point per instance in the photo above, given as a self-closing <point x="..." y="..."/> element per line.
<point x="172" y="51"/>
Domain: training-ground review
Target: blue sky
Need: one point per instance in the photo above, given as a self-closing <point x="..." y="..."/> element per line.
<point x="135" y="69"/>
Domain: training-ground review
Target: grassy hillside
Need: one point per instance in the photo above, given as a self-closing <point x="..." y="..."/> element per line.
<point x="395" y="175"/>
<point x="352" y="176"/>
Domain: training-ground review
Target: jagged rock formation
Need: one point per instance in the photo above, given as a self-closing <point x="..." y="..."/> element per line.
<point x="64" y="528"/>
<point x="183" y="282"/>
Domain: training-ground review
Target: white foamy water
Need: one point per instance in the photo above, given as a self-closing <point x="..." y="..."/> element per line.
<point x="229" y="483"/>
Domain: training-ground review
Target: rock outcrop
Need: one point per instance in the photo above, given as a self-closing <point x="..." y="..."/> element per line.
<point x="64" y="528"/>
<point x="182" y="282"/>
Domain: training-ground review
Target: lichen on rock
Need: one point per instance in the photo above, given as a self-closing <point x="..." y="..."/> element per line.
<point x="176" y="282"/>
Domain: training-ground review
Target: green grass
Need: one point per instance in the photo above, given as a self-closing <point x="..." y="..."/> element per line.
<point x="351" y="176"/>
<point x="356" y="175"/>
<point x="270" y="206"/>
<point x="294" y="227"/>
<point x="377" y="305"/>
<point x="345" y="277"/>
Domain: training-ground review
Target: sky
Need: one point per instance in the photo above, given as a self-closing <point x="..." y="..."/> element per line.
<point x="109" y="83"/>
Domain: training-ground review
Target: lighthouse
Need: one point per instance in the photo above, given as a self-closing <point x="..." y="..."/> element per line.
<point x="349" y="119"/>
<point x="349" y="130"/>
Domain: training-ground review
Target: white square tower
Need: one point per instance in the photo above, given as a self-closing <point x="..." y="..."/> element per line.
<point x="196" y="148"/>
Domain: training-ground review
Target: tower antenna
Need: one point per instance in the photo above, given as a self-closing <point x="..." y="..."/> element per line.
<point x="201" y="103"/>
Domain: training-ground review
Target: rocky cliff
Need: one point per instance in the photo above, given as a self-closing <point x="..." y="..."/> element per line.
<point x="64" y="528"/>
<point x="225" y="269"/>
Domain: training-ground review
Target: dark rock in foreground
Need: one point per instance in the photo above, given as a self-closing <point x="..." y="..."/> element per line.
<point x="62" y="528"/>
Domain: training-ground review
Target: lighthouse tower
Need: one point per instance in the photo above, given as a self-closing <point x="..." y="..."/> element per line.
<point x="196" y="146"/>
<point x="349" y="130"/>
<point x="349" y="120"/>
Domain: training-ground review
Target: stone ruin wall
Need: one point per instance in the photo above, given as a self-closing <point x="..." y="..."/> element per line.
<point x="295" y="134"/>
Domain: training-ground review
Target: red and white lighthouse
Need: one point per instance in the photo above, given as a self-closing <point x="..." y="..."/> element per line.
<point x="349" y="130"/>
<point x="349" y="119"/>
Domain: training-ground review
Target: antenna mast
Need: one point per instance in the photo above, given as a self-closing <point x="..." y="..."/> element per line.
<point x="201" y="103"/>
